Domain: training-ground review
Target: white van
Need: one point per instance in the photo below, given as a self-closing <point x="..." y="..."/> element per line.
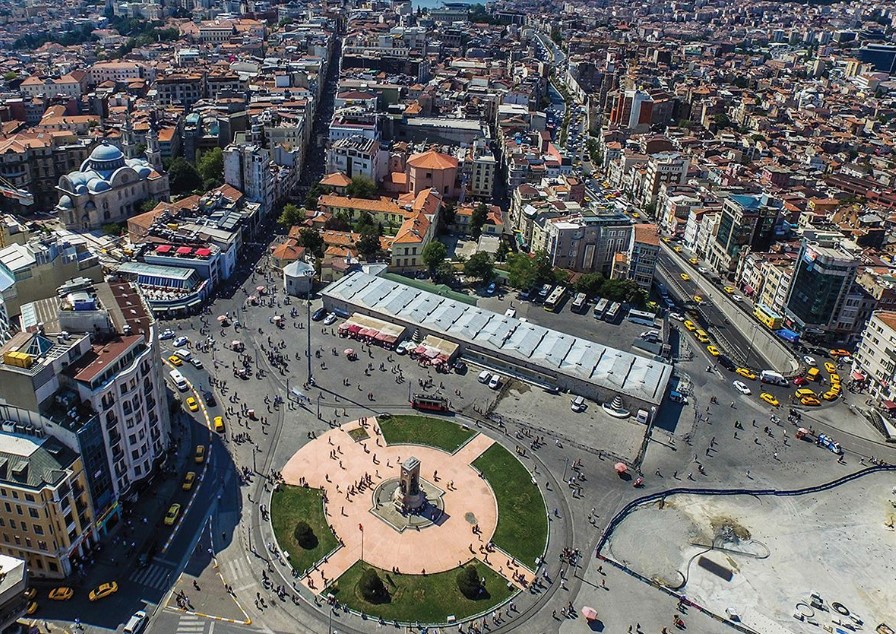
<point x="184" y="354"/>
<point x="136" y="623"/>
<point x="484" y="376"/>
<point x="578" y="404"/>
<point x="768" y="376"/>
<point x="179" y="381"/>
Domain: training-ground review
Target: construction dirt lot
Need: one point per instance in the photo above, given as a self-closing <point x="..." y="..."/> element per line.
<point x="762" y="557"/>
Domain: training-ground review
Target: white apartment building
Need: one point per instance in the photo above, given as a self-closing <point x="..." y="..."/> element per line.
<point x="875" y="357"/>
<point x="358" y="155"/>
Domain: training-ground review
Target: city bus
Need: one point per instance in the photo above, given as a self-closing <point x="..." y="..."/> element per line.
<point x="429" y="403"/>
<point x="613" y="312"/>
<point x="767" y="317"/>
<point x="555" y="299"/>
<point x="600" y="308"/>
<point x="580" y="303"/>
<point x="641" y="317"/>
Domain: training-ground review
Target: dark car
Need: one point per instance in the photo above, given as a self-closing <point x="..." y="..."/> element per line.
<point x="460" y="367"/>
<point x="319" y="314"/>
<point x="727" y="363"/>
<point x="209" y="399"/>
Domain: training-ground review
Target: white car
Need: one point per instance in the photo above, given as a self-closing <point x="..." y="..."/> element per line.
<point x="331" y="319"/>
<point x="196" y="362"/>
<point x="741" y="387"/>
<point x="703" y="269"/>
<point x="166" y="334"/>
<point x="495" y="382"/>
<point x="737" y="298"/>
<point x="181" y="341"/>
<point x="677" y="316"/>
<point x="810" y="361"/>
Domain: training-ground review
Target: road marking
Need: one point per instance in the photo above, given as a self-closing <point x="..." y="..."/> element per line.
<point x="152" y="576"/>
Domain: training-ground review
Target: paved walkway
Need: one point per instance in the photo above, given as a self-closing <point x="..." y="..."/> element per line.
<point x="335" y="461"/>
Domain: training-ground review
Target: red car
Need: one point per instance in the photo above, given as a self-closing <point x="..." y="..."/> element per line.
<point x="800" y="380"/>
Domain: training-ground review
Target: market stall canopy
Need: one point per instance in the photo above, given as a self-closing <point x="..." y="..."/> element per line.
<point x="620" y="467"/>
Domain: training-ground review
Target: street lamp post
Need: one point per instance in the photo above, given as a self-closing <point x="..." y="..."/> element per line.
<point x="308" y="353"/>
<point x="318" y="406"/>
<point x="750" y="349"/>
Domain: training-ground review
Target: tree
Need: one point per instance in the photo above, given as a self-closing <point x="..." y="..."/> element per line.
<point x="291" y="215"/>
<point x="372" y="588"/>
<point x="361" y="187"/>
<point x="434" y="254"/>
<point x="480" y="266"/>
<point x="444" y="272"/>
<point x="211" y="167"/>
<point x="477" y="219"/>
<point x="147" y="205"/>
<point x="590" y="284"/>
<point x="338" y="222"/>
<point x="469" y="583"/>
<point x="544" y="270"/>
<point x="521" y="271"/>
<point x="305" y="536"/>
<point x="501" y="255"/>
<point x="368" y="244"/>
<point x="313" y="194"/>
<point x="183" y="177"/>
<point x="312" y="241"/>
<point x="448" y="214"/>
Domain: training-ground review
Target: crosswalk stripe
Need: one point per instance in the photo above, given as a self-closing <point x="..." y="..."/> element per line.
<point x="153" y="576"/>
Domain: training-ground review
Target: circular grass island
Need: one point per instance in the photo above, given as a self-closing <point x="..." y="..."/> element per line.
<point x="432" y="572"/>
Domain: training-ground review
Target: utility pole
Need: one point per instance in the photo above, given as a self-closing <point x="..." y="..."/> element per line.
<point x="308" y="328"/>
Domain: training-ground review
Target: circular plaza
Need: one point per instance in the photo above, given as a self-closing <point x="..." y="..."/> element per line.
<point x="391" y="515"/>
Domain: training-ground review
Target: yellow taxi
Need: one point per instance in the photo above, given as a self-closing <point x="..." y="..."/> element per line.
<point x="713" y="351"/>
<point x="171" y="515"/>
<point x="219" y="424"/>
<point x="701" y="336"/>
<point x="192" y="405"/>
<point x="747" y="373"/>
<point x="840" y="352"/>
<point x="635" y="214"/>
<point x="835" y="379"/>
<point x="103" y="591"/>
<point x="32" y="608"/>
<point x="30" y="593"/>
<point x="770" y="399"/>
<point x="689" y="325"/>
<point x="810" y="401"/>
<point x="199" y="456"/>
<point x="830" y="367"/>
<point x="667" y="239"/>
<point x="698" y="299"/>
<point x="685" y="277"/>
<point x="694" y="261"/>
<point x="175" y="360"/>
<point x="188" y="480"/>
<point x="676" y="248"/>
<point x="831" y="395"/>
<point x="62" y="593"/>
<point x="729" y="289"/>
<point x="805" y="393"/>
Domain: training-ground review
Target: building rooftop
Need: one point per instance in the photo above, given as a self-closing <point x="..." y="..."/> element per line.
<point x="615" y="370"/>
<point x="30" y="461"/>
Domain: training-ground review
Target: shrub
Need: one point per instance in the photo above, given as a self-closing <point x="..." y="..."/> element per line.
<point x="305" y="537"/>
<point x="468" y="582"/>
<point x="372" y="588"/>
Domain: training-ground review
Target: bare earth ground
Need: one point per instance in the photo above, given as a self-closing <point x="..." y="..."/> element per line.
<point x="779" y="550"/>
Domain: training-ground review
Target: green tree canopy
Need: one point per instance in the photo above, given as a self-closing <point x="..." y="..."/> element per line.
<point x="211" y="168"/>
<point x="434" y="254"/>
<point x="369" y="243"/>
<point x="313" y="194"/>
<point x="291" y="215"/>
<point x="469" y="583"/>
<point x="361" y="187"/>
<point x="372" y="588"/>
<point x="305" y="536"/>
<point x="521" y="271"/>
<point x="312" y="241"/>
<point x="477" y="219"/>
<point x="590" y="284"/>
<point x="183" y="178"/>
<point x="480" y="266"/>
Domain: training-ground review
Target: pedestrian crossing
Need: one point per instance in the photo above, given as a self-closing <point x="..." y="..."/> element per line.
<point x="189" y="624"/>
<point x="153" y="576"/>
<point x="235" y="571"/>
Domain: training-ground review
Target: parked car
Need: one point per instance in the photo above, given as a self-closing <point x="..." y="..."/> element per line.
<point x="495" y="382"/>
<point x="485" y="376"/>
<point x="167" y="334"/>
<point x="331" y="319"/>
<point x="319" y="314"/>
<point x="196" y="362"/>
<point x="181" y="341"/>
<point x="209" y="397"/>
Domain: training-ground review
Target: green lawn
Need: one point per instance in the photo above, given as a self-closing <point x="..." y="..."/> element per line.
<point x="421" y="598"/>
<point x="423" y="430"/>
<point x="292" y="504"/>
<point x="522" y="529"/>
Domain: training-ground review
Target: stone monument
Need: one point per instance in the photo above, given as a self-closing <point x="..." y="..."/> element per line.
<point x="408" y="496"/>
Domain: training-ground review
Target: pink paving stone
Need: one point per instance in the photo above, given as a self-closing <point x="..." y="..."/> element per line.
<point x="434" y="548"/>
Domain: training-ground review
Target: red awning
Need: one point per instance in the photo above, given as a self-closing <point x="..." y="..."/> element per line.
<point x="163" y="248"/>
<point x="858" y="376"/>
<point x="184" y="251"/>
<point x="748" y="289"/>
<point x="203" y="253"/>
<point x="889" y="405"/>
<point x="354" y="329"/>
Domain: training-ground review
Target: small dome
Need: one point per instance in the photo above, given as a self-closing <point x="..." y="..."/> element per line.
<point x="98" y="185"/>
<point x="65" y="202"/>
<point x="106" y="152"/>
<point x="77" y="178"/>
<point x="144" y="171"/>
<point x="80" y="188"/>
